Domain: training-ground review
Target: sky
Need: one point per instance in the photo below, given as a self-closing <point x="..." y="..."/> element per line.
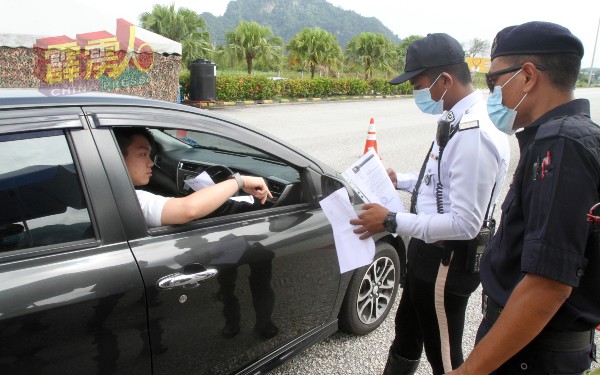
<point x="462" y="19"/>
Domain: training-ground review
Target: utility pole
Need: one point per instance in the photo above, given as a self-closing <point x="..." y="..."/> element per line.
<point x="593" y="54"/>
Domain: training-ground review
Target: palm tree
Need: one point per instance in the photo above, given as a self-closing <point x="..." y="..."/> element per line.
<point x="251" y="40"/>
<point x="401" y="50"/>
<point x="372" y="52"/>
<point x="182" y="25"/>
<point x="314" y="47"/>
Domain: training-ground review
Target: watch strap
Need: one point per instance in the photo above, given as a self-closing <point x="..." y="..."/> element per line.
<point x="389" y="223"/>
<point x="238" y="179"/>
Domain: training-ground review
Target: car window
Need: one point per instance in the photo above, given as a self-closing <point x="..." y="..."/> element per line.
<point x="40" y="192"/>
<point x="181" y="155"/>
<point x="204" y="140"/>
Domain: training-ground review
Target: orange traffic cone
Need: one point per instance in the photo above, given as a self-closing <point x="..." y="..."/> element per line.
<point x="371" y="138"/>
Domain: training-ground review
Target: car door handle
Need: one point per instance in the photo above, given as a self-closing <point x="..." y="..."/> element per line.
<point x="185" y="280"/>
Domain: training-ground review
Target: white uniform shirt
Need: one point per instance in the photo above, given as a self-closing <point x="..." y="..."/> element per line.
<point x="152" y="206"/>
<point x="473" y="161"/>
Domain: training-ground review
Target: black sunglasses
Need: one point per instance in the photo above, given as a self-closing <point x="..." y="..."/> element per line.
<point x="490" y="78"/>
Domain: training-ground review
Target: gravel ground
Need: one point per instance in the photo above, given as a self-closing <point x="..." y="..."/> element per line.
<point x="348" y="354"/>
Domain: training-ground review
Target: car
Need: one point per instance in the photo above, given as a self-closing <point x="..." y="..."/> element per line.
<point x="87" y="287"/>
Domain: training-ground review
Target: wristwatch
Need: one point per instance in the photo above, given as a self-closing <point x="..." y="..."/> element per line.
<point x="389" y="223"/>
<point x="238" y="179"/>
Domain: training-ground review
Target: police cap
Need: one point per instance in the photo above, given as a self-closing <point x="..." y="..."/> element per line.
<point x="536" y="38"/>
<point x="434" y="50"/>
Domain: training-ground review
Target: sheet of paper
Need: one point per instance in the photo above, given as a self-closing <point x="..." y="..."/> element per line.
<point x="352" y="252"/>
<point x="369" y="177"/>
<point x="203" y="180"/>
<point x="243" y="199"/>
<point x="199" y="182"/>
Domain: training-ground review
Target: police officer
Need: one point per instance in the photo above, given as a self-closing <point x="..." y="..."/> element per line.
<point x="540" y="273"/>
<point x="451" y="196"/>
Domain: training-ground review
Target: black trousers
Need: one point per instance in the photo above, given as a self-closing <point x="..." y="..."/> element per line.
<point x="431" y="313"/>
<point x="537" y="360"/>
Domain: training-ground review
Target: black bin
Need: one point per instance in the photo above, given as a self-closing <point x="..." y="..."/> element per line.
<point x="203" y="80"/>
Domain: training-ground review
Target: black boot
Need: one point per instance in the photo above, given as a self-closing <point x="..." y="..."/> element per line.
<point x="397" y="365"/>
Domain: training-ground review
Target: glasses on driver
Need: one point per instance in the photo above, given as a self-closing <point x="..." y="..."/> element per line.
<point x="491" y="77"/>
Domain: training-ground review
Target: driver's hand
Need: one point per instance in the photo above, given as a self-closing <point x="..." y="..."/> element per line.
<point x="256" y="187"/>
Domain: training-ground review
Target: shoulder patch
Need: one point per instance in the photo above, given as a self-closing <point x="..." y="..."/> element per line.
<point x="468" y="125"/>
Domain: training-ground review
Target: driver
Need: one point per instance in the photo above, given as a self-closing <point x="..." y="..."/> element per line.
<point x="158" y="210"/>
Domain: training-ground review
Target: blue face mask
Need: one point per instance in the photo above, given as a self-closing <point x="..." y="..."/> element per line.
<point x="426" y="104"/>
<point x="502" y="117"/>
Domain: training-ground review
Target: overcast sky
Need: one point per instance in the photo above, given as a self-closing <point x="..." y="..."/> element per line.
<point x="462" y="19"/>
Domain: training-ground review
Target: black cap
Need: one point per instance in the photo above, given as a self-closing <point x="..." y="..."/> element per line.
<point x="434" y="50"/>
<point x="536" y="38"/>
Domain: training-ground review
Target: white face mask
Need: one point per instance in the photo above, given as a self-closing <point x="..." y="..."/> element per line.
<point x="426" y="104"/>
<point x="502" y="117"/>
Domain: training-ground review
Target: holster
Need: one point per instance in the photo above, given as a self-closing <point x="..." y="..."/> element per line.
<point x="477" y="245"/>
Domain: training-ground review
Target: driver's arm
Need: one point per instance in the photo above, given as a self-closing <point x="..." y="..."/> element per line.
<point x="204" y="201"/>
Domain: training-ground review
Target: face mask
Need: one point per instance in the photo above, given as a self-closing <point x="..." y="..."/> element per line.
<point x="502" y="117"/>
<point x="426" y="104"/>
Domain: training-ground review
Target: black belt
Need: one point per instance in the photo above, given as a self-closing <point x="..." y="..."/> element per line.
<point x="548" y="339"/>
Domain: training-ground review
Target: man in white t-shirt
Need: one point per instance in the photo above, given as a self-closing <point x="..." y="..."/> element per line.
<point x="158" y="210"/>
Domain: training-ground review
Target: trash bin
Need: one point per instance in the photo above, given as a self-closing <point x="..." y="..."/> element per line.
<point x="203" y="80"/>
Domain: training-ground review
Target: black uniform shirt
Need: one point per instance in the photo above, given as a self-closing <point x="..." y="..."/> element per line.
<point x="543" y="229"/>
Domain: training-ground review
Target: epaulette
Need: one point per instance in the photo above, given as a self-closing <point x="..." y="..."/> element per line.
<point x="468" y="125"/>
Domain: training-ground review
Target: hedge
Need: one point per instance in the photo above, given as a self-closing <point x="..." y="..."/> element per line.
<point x="246" y="87"/>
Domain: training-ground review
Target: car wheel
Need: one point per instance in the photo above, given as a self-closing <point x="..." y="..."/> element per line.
<point x="371" y="292"/>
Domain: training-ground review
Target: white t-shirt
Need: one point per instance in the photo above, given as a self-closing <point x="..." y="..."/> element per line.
<point x="152" y="206"/>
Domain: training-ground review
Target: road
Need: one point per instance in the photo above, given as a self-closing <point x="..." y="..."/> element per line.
<point x="335" y="133"/>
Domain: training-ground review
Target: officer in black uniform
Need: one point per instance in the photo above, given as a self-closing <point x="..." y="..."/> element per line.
<point x="541" y="271"/>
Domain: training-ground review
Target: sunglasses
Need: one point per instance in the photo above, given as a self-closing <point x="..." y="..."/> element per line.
<point x="491" y="77"/>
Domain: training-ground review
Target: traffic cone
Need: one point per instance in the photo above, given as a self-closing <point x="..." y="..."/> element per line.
<point x="371" y="139"/>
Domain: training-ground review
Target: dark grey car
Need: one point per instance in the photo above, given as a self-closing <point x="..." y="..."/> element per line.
<point x="86" y="287"/>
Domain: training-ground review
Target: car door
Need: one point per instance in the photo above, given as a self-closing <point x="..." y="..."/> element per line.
<point x="71" y="295"/>
<point x="273" y="271"/>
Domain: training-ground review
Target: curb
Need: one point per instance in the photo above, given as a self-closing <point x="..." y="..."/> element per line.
<point x="311" y="100"/>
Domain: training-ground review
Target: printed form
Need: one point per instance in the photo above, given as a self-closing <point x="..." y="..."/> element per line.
<point x="369" y="179"/>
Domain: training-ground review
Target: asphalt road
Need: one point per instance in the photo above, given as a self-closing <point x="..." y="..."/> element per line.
<point x="335" y="133"/>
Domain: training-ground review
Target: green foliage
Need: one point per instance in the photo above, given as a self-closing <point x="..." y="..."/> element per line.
<point x="181" y="25"/>
<point x="372" y="52"/>
<point x="250" y="41"/>
<point x="259" y="87"/>
<point x="184" y="82"/>
<point x="286" y="17"/>
<point x="314" y="47"/>
<point x="401" y="51"/>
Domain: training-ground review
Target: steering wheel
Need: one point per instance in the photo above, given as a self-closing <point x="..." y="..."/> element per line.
<point x="219" y="173"/>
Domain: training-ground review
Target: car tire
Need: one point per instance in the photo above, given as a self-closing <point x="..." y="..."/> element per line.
<point x="371" y="292"/>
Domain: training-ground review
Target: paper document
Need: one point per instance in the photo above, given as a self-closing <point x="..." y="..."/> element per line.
<point x="199" y="182"/>
<point x="370" y="180"/>
<point x="352" y="252"/>
<point x="203" y="180"/>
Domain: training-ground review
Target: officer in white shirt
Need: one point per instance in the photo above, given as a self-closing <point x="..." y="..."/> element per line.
<point x="451" y="206"/>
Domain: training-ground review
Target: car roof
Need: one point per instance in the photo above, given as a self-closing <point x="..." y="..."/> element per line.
<point x="31" y="97"/>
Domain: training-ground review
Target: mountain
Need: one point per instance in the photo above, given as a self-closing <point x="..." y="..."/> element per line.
<point x="287" y="17"/>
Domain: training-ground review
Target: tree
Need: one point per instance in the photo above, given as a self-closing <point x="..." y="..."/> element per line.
<point x="401" y="50"/>
<point x="478" y="48"/>
<point x="313" y="47"/>
<point x="181" y="25"/>
<point x="251" y="40"/>
<point x="371" y="51"/>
